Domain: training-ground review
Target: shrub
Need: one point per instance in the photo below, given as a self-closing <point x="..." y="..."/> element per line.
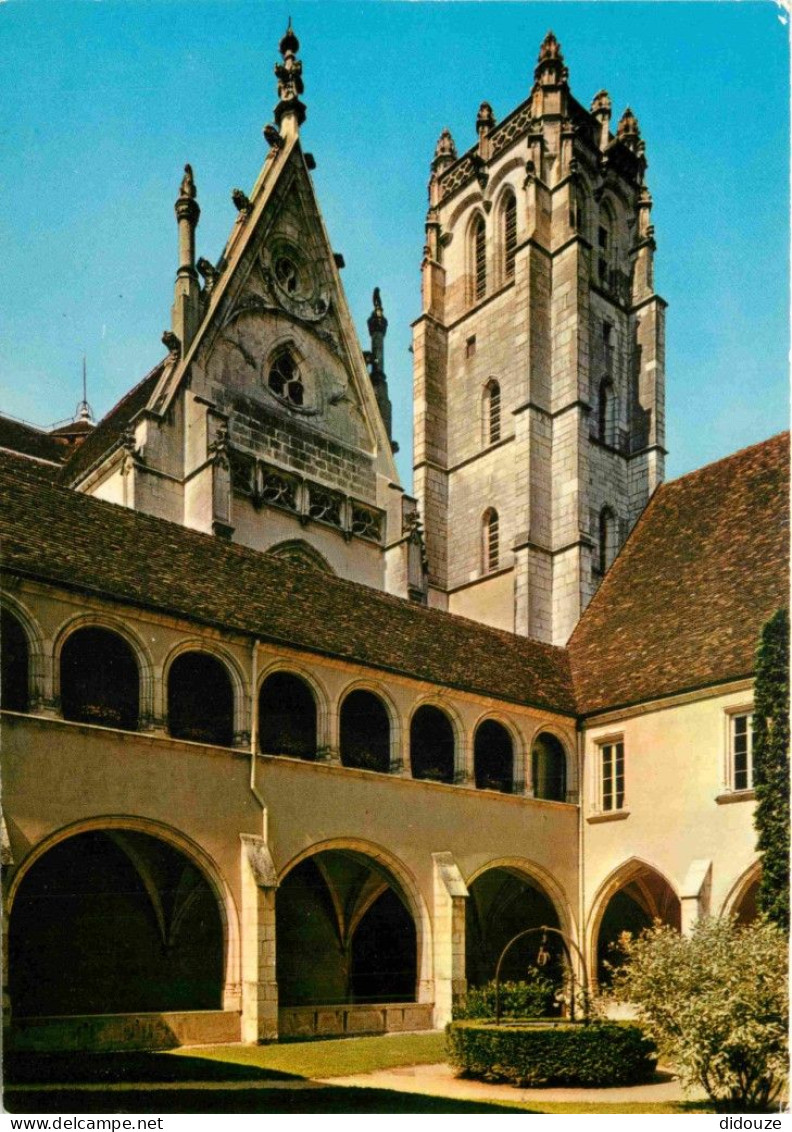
<point x="599" y="1054"/>
<point x="717" y="1005"/>
<point x="533" y="998"/>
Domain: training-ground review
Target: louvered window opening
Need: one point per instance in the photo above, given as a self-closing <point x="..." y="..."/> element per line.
<point x="492" y="540"/>
<point x="480" y="249"/>
<point x="510" y="235"/>
<point x="494" y="413"/>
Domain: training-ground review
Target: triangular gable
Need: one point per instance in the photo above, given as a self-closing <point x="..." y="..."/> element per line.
<point x="256" y="306"/>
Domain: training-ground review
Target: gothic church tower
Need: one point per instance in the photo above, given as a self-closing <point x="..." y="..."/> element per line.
<point x="539" y="358"/>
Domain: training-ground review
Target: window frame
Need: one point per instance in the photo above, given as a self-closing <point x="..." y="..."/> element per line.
<point x="490" y="531"/>
<point x="740" y="712"/>
<point x="609" y="782"/>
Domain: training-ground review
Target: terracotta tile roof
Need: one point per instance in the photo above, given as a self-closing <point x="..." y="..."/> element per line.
<point x="110" y="429"/>
<point x="59" y="535"/>
<point x="29" y="441"/>
<point x="705" y="567"/>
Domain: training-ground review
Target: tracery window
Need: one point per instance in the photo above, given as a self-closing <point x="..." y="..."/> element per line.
<point x="285" y="380"/>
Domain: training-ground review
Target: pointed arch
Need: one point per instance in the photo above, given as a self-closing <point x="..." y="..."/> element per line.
<point x="508" y="233"/>
<point x="300" y="551"/>
<point x="490" y="540"/>
<point x="741" y="900"/>
<point x="477" y="257"/>
<point x="491" y="412"/>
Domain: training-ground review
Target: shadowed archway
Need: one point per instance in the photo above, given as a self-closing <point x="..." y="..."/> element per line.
<point x="633" y="905"/>
<point x="114" y="921"/>
<point x="345" y="933"/>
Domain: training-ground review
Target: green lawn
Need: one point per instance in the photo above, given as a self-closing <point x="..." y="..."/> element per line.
<point x="258" y="1079"/>
<point x="334" y="1058"/>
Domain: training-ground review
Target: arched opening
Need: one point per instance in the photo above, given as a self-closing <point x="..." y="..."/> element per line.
<point x="200" y="700"/>
<point x="490" y="540"/>
<point x="606" y="247"/>
<point x="14" y="664"/>
<point x="114" y="921"/>
<point x="301" y="552"/>
<point x="503" y="902"/>
<point x="432" y="745"/>
<point x="509" y="223"/>
<point x="606" y="424"/>
<point x="285" y="380"/>
<point x="287" y="716"/>
<point x="493" y="757"/>
<point x="478" y="237"/>
<point x="548" y="768"/>
<point x="99" y="679"/>
<point x="492" y="412"/>
<point x="746" y="909"/>
<point x="365" y="732"/>
<point x="345" y="933"/>
<point x="644" y="897"/>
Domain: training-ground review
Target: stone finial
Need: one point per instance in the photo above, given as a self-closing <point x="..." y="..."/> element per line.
<point x="445" y="153"/>
<point x="377" y="322"/>
<point x="601" y="104"/>
<point x="290" y="110"/>
<point x="550" y="67"/>
<point x="186" y="204"/>
<point x="486" y="118"/>
<point x="628" y="130"/>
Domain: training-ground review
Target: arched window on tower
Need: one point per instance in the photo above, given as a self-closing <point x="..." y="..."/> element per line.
<point x="607" y="538"/>
<point x="491" y="540"/>
<point x="285" y="380"/>
<point x="492" y="412"/>
<point x="606" y="404"/>
<point x="479" y="258"/>
<point x="509" y="221"/>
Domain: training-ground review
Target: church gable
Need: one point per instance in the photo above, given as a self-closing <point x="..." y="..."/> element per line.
<point x="278" y="357"/>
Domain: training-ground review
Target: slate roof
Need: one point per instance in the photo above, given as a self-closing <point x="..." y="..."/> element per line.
<point x="29" y="441"/>
<point x="55" y="534"/>
<point x="682" y="606"/>
<point x="104" y="438"/>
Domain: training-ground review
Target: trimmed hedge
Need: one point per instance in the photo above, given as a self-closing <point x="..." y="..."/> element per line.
<point x="532" y="998"/>
<point x="597" y="1054"/>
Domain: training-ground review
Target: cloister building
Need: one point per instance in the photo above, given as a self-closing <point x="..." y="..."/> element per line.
<point x="287" y="751"/>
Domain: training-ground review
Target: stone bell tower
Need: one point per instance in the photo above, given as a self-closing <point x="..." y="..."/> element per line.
<point x="539" y="358"/>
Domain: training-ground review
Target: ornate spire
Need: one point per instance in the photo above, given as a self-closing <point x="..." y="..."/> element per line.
<point x="290" y="111"/>
<point x="445" y="152"/>
<point x="601" y="109"/>
<point x="628" y="130"/>
<point x="378" y="328"/>
<point x="185" y="313"/>
<point x="550" y="67"/>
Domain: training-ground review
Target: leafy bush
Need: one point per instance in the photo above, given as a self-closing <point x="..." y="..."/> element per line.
<point x="600" y="1054"/>
<point x="533" y="998"/>
<point x="717" y="1005"/>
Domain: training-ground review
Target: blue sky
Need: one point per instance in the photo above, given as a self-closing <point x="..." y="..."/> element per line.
<point x="105" y="101"/>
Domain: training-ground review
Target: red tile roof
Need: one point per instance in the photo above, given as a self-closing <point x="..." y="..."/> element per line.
<point x="682" y="606"/>
<point x="17" y="436"/>
<point x="55" y="534"/>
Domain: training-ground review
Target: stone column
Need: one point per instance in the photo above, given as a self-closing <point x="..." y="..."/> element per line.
<point x="450" y="894"/>
<point x="694" y="894"/>
<point x="259" y="983"/>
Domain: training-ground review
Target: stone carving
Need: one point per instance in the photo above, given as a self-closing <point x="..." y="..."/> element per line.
<point x="272" y="137"/>
<point x="172" y="344"/>
<point x="210" y="275"/>
<point x="241" y="202"/>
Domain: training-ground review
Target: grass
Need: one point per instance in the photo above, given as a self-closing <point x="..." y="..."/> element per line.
<point x="260" y="1079"/>
<point x="333" y="1058"/>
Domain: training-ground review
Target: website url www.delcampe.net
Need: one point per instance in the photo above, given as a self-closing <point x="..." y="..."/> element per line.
<point x="86" y="1123"/>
